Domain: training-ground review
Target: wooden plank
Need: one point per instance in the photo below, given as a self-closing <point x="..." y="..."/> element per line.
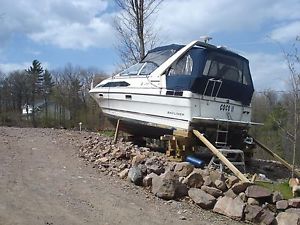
<point x="217" y="153"/>
<point x="285" y="163"/>
<point x="116" y="132"/>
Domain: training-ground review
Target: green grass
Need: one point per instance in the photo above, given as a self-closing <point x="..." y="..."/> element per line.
<point x="283" y="188"/>
<point x="108" y="133"/>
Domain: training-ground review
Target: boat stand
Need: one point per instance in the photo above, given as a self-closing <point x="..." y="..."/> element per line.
<point x="178" y="147"/>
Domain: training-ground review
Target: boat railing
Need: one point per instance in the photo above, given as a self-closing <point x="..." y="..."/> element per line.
<point x="216" y="85"/>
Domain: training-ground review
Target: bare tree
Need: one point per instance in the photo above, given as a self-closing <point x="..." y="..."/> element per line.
<point x="293" y="63"/>
<point x="133" y="25"/>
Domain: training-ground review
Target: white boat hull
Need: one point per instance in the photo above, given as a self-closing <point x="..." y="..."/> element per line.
<point x="154" y="108"/>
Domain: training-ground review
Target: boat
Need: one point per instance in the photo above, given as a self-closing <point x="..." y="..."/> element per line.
<point x="177" y="88"/>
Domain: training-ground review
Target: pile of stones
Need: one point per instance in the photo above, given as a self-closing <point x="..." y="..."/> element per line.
<point x="209" y="189"/>
<point x="112" y="158"/>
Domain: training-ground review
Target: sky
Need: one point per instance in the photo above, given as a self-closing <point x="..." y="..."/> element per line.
<point x="81" y="32"/>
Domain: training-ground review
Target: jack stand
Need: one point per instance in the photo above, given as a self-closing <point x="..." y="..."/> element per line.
<point x="177" y="147"/>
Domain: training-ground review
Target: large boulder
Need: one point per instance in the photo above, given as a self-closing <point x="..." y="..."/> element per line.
<point x="216" y="175"/>
<point x="277" y="196"/>
<point x="267" y="217"/>
<point x="293" y="210"/>
<point x="147" y="181"/>
<point x="230" y="207"/>
<point x="201" y="198"/>
<point x="282" y="204"/>
<point x="212" y="191"/>
<point x="143" y="169"/>
<point x="240" y="187"/>
<point x="154" y="165"/>
<point x="135" y="175"/>
<point x="285" y="218"/>
<point x="252" y="213"/>
<point x="164" y="186"/>
<point x="231" y="180"/>
<point x="194" y="180"/>
<point x="256" y="191"/>
<point x="220" y="185"/>
<point x="230" y="194"/>
<point x="181" y="190"/>
<point x="183" y="169"/>
<point x="207" y="181"/>
<point x="294" y="202"/>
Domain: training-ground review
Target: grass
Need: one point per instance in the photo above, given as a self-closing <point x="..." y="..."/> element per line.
<point x="108" y="133"/>
<point x="283" y="188"/>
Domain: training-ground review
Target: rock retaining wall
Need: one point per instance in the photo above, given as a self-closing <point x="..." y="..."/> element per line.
<point x="209" y="189"/>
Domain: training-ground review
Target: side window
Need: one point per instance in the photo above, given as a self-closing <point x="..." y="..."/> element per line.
<point x="225" y="67"/>
<point x="246" y="73"/>
<point x="183" y="66"/>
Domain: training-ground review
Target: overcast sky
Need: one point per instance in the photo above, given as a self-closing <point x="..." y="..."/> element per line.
<point x="80" y="32"/>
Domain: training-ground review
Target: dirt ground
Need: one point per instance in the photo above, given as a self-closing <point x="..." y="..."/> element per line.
<point x="43" y="181"/>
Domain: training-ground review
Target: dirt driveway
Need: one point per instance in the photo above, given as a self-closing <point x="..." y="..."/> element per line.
<point x="42" y="181"/>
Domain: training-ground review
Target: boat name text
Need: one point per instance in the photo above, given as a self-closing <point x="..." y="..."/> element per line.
<point x="227" y="108"/>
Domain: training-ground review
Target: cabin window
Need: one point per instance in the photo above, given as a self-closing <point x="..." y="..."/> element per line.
<point x="116" y="84"/>
<point x="227" y="68"/>
<point x="247" y="77"/>
<point x="183" y="66"/>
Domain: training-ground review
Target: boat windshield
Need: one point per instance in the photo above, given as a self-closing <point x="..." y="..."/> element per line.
<point x="151" y="62"/>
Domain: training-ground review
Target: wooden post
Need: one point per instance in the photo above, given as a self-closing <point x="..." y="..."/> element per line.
<point x="285" y="163"/>
<point x="217" y="153"/>
<point x="117" y="132"/>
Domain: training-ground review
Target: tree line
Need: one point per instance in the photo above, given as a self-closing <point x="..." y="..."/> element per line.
<point x="38" y="97"/>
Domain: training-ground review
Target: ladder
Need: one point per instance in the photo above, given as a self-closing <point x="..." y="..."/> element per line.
<point x="222" y="136"/>
<point x="235" y="156"/>
<point x="215" y="87"/>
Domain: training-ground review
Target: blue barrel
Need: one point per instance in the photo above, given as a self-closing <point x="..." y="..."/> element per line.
<point x="198" y="163"/>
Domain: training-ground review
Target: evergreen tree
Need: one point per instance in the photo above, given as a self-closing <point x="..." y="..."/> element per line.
<point x="35" y="80"/>
<point x="47" y="86"/>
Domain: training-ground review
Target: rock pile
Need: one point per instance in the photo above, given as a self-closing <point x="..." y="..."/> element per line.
<point x="117" y="159"/>
<point x="209" y="189"/>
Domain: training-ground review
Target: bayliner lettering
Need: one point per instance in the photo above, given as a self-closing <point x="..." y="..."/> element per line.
<point x="176" y="113"/>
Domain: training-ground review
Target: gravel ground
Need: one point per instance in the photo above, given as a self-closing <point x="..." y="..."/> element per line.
<point x="43" y="181"/>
